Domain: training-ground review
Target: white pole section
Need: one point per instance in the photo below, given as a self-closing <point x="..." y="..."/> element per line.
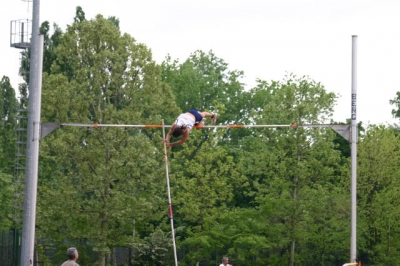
<point x="32" y="153"/>
<point x="171" y="217"/>
<point x="353" y="240"/>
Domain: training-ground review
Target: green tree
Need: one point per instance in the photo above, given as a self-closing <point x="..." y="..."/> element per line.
<point x="50" y="43"/>
<point x="94" y="183"/>
<point x="240" y="233"/>
<point x="204" y="82"/>
<point x="6" y="201"/>
<point x="378" y="187"/>
<point x="327" y="237"/>
<point x="79" y="15"/>
<point x="396" y="103"/>
<point x="203" y="183"/>
<point x="8" y="125"/>
<point x="153" y="250"/>
<point x="285" y="166"/>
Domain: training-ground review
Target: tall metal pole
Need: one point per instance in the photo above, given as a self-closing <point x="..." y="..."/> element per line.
<point x="32" y="154"/>
<point x="171" y="217"/>
<point x="353" y="140"/>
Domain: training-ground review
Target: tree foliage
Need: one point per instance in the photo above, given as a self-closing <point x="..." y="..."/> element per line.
<point x="204" y="82"/>
<point x="153" y="250"/>
<point x="105" y="177"/>
<point x="262" y="196"/>
<point x="378" y="160"/>
<point x="8" y="126"/>
<point x="6" y="201"/>
<point x="286" y="166"/>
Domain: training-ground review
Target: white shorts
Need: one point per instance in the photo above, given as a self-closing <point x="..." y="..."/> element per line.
<point x="185" y="120"/>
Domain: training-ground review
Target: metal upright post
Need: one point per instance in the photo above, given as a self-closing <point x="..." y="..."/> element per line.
<point x="353" y="140"/>
<point x="32" y="154"/>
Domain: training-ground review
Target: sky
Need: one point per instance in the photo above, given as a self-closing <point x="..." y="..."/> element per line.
<point x="267" y="39"/>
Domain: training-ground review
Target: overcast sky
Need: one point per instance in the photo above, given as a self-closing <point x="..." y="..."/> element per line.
<point x="265" y="38"/>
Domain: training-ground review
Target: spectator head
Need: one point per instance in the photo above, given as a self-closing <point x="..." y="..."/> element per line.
<point x="225" y="260"/>
<point x="72" y="253"/>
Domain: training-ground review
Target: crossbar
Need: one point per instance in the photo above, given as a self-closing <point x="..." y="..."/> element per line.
<point x="210" y="126"/>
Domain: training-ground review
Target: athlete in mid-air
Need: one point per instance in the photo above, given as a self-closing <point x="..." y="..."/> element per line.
<point x="185" y="122"/>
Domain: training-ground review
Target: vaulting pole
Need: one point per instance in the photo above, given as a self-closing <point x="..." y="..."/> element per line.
<point x="171" y="217"/>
